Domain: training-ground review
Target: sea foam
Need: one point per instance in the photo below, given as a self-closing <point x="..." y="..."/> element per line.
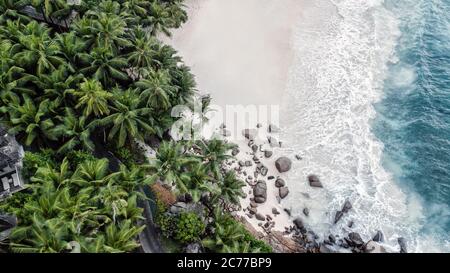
<point x="343" y="48"/>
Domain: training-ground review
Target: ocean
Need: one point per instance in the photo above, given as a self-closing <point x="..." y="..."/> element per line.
<point x="368" y="109"/>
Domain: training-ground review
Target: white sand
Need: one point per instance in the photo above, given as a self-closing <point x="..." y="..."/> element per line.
<point x="240" y="52"/>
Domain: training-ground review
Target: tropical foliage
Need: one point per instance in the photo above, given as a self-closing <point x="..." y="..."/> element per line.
<point x="79" y="82"/>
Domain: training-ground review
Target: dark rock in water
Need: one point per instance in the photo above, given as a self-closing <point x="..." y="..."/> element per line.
<point x="280" y="183"/>
<point x="241" y="163"/>
<point x="288" y="211"/>
<point x="274" y="142"/>
<point x="338" y="216"/>
<point x="260" y="192"/>
<point x="324" y="249"/>
<point x="255" y="148"/>
<point x="260" y="217"/>
<point x="350" y="224"/>
<point x="264" y="171"/>
<point x="284" y="191"/>
<point x="298" y="157"/>
<point x="402" y="244"/>
<point x="248" y="163"/>
<point x="193" y="248"/>
<point x="374" y="247"/>
<point x="347" y="206"/>
<point x="283" y="164"/>
<point x="332" y="239"/>
<point x="379" y="237"/>
<point x="354" y="239"/>
<point x="268" y="153"/>
<point x="271" y="177"/>
<point x="298" y="222"/>
<point x="235" y="152"/>
<point x="314" y="181"/>
<point x="306" y="211"/>
<point x="250" y="133"/>
<point x="259" y="125"/>
<point x="275" y="211"/>
<point x="273" y="128"/>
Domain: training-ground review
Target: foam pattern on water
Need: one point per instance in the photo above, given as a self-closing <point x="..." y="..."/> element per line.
<point x="340" y="65"/>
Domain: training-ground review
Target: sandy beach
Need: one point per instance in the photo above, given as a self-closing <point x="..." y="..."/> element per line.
<point x="240" y="53"/>
<point x="239" y="50"/>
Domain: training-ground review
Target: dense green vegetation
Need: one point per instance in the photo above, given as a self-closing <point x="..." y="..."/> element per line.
<point x="81" y="81"/>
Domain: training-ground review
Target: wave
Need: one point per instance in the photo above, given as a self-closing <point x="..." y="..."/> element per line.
<point x="343" y="52"/>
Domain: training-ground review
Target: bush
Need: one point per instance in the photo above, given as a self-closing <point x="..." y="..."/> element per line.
<point x="164" y="221"/>
<point x="32" y="161"/>
<point x="78" y="157"/>
<point x="189" y="228"/>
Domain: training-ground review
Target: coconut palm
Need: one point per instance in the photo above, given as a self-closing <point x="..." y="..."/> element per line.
<point x="214" y="152"/>
<point x="10" y="10"/>
<point x="159" y="19"/>
<point x="40" y="53"/>
<point x="71" y="45"/>
<point x="29" y="121"/>
<point x="57" y="176"/>
<point x="103" y="30"/>
<point x="142" y="56"/>
<point x="92" y="98"/>
<point x="104" y="66"/>
<point x="121" y="238"/>
<point x="57" y="84"/>
<point x="197" y="181"/>
<point x="43" y="236"/>
<point x="170" y="162"/>
<point x="227" y="232"/>
<point x="92" y="174"/>
<point x="185" y="84"/>
<point x="52" y="8"/>
<point x="128" y="120"/>
<point x="74" y="132"/>
<point x="231" y="189"/>
<point x="156" y="89"/>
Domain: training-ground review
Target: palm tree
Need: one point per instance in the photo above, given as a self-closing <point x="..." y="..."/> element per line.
<point x="156" y="89"/>
<point x="170" y="162"/>
<point x="58" y="177"/>
<point x="213" y="153"/>
<point x="185" y="83"/>
<point x="92" y="174"/>
<point x="43" y="236"/>
<point x="231" y="189"/>
<point x="197" y="181"/>
<point x="10" y="10"/>
<point x="74" y="131"/>
<point x="122" y="238"/>
<point x="142" y="56"/>
<point x="71" y="46"/>
<point x="57" y="84"/>
<point x="41" y="53"/>
<point x="29" y="121"/>
<point x="103" y="30"/>
<point x="159" y="19"/>
<point x="227" y="232"/>
<point x="137" y="10"/>
<point x="104" y="66"/>
<point x="92" y="98"/>
<point x="128" y="120"/>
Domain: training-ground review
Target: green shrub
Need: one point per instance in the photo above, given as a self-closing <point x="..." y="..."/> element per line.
<point x="32" y="161"/>
<point x="189" y="228"/>
<point x="164" y="221"/>
<point x="78" y="157"/>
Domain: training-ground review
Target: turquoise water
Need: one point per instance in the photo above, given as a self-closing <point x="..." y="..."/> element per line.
<point x="413" y="118"/>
